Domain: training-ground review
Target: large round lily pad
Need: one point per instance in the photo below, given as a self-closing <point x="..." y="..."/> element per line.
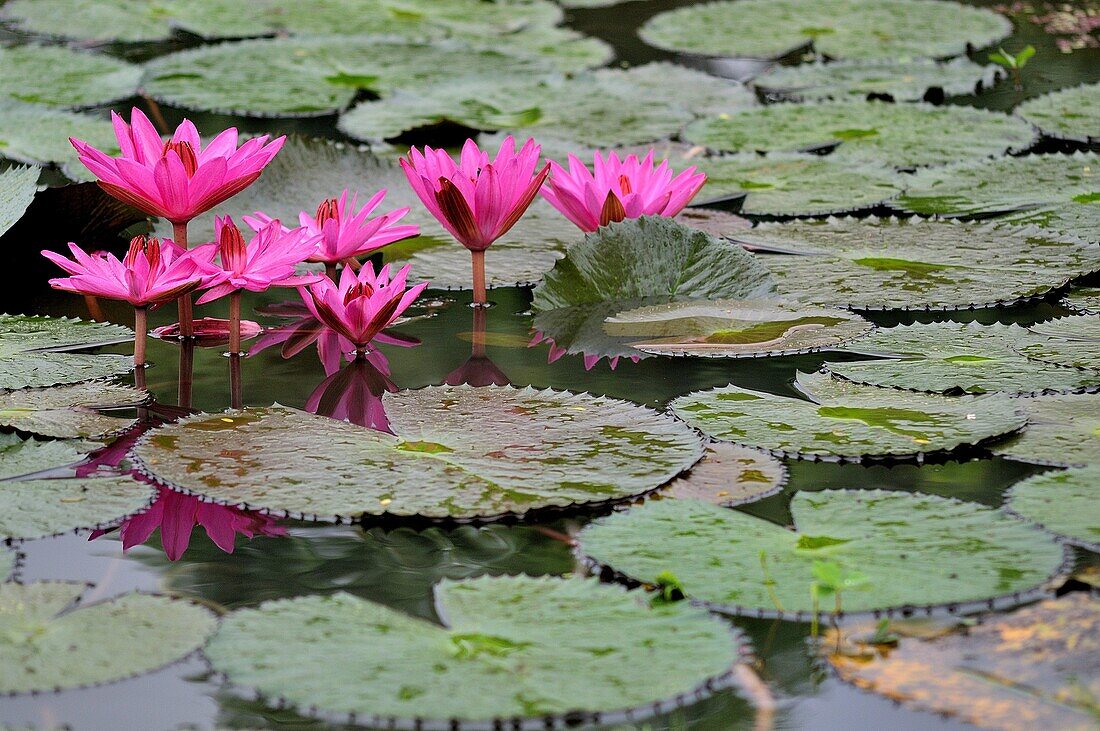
<point x="918" y="264"/>
<point x="735" y="328"/>
<point x="39" y="135"/>
<point x="499" y="654"/>
<point x="1084" y="299"/>
<point x="461" y="452"/>
<point x="881" y="549"/>
<point x="952" y="357"/>
<point x="29" y="348"/>
<point x="794" y="184"/>
<point x="20" y="457"/>
<point x="846" y="420"/>
<point x="69" y="411"/>
<point x="1072" y="341"/>
<point x="51" y="641"/>
<point x="729" y="475"/>
<point x="902" y="80"/>
<point x="1063" y="502"/>
<point x="1062" y="430"/>
<point x="311" y="77"/>
<point x="62" y="77"/>
<point x="1068" y="114"/>
<point x="1072" y="219"/>
<point x="17" y="188"/>
<point x="1033" y="668"/>
<point x="1004" y="184"/>
<point x="650" y="257"/>
<point x="901" y="135"/>
<point x="32" y="509"/>
<point x="98" y="20"/>
<point x="836" y="28"/>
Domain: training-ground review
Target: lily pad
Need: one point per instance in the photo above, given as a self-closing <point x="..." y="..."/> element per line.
<point x="735" y="328"/>
<point x="7" y="563"/>
<point x="1004" y="184"/>
<point x="581" y="330"/>
<point x="883" y="550"/>
<point x="792" y="184"/>
<point x="39" y="135"/>
<point x="952" y="357"/>
<point x="1071" y="219"/>
<point x="17" y="188"/>
<point x="1068" y="341"/>
<point x="712" y="221"/>
<point x="31" y="509"/>
<point x="52" y="641"/>
<point x="1063" y="502"/>
<point x="498" y="655"/>
<point x="20" y="457"/>
<point x="460" y="453"/>
<point x="1068" y="114"/>
<point x="901" y="135"/>
<point x="836" y="28"/>
<point x="650" y="257"/>
<point x="729" y="475"/>
<point x="290" y="77"/>
<point x="1062" y="431"/>
<point x="902" y="80"/>
<point x="847" y="421"/>
<point x="917" y="264"/>
<point x="1033" y="668"/>
<point x="62" y="77"/>
<point x="29" y="345"/>
<point x="69" y="411"/>
<point x="99" y="20"/>
<point x="1084" y="299"/>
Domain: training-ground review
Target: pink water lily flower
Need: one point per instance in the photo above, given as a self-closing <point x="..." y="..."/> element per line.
<point x="476" y="199"/>
<point x="619" y="189"/>
<point x="268" y="260"/>
<point x="178" y="179"/>
<point x="363" y="304"/>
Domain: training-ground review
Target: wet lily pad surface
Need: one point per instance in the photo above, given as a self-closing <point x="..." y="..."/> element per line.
<point x="53" y="641"/>
<point x="355" y="658"/>
<point x="1072" y="341"/>
<point x="835" y="28"/>
<point x="29" y="348"/>
<point x="69" y="411"/>
<point x="1062" y="501"/>
<point x="20" y="457"/>
<point x="1034" y="667"/>
<point x="39" y="135"/>
<point x="1062" y="430"/>
<point x="32" y="509"/>
<point x="735" y="328"/>
<point x="440" y="465"/>
<point x="882" y="550"/>
<point x="895" y="80"/>
<point x="17" y="187"/>
<point x="949" y="357"/>
<point x="844" y="420"/>
<point x="729" y="475"/>
<point x="1068" y="114"/>
<point x="1085" y="299"/>
<point x="61" y="77"/>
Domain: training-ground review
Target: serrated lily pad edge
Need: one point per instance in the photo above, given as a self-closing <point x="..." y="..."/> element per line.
<point x="82" y="529"/>
<point x="1044" y="590"/>
<point x="385" y="518"/>
<point x="214" y="611"/>
<point x="17" y="560"/>
<point x="866" y="459"/>
<point x="552" y="722"/>
<point x="1029" y="394"/>
<point x="780" y="485"/>
<point x="1093" y="546"/>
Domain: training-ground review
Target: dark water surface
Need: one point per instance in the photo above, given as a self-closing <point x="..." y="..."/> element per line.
<point x="398" y="566"/>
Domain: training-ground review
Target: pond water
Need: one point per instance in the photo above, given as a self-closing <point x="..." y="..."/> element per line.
<point x="398" y="565"/>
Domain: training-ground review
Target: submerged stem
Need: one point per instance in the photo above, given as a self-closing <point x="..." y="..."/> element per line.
<point x="187" y="329"/>
<point x="236" y="390"/>
<point x="478" y="258"/>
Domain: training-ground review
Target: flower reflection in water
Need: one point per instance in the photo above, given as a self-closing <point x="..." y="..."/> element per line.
<point x="354" y="393"/>
<point x="478" y="370"/>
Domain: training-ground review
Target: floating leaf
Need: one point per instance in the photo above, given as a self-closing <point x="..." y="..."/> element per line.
<point x="101" y="20"/>
<point x="730" y="475"/>
<point x="460" y="452"/>
<point x="62" y="77"/>
<point x="312" y="77"/>
<point x="847" y="420"/>
<point x="69" y="411"/>
<point x="735" y="328"/>
<point x="1063" y="502"/>
<point x="1034" y="668"/>
<point x="1068" y="114"/>
<point x="1004" y="184"/>
<point x="1071" y="219"/>
<point x="902" y="135"/>
<point x="580" y="330"/>
<point x="32" y="509"/>
<point x="714" y="222"/>
<point x="28" y="344"/>
<point x="499" y="656"/>
<point x="918" y="264"/>
<point x="17" y="188"/>
<point x="950" y="357"/>
<point x="650" y="257"/>
<point x="1062" y="431"/>
<point x="8" y="560"/>
<point x="909" y="550"/>
<point x="39" y="135"/>
<point x="789" y="184"/>
<point x="20" y="457"/>
<point x="52" y="642"/>
<point x="1068" y="341"/>
<point x="1084" y="299"/>
<point x="902" y="80"/>
<point x="836" y="28"/>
